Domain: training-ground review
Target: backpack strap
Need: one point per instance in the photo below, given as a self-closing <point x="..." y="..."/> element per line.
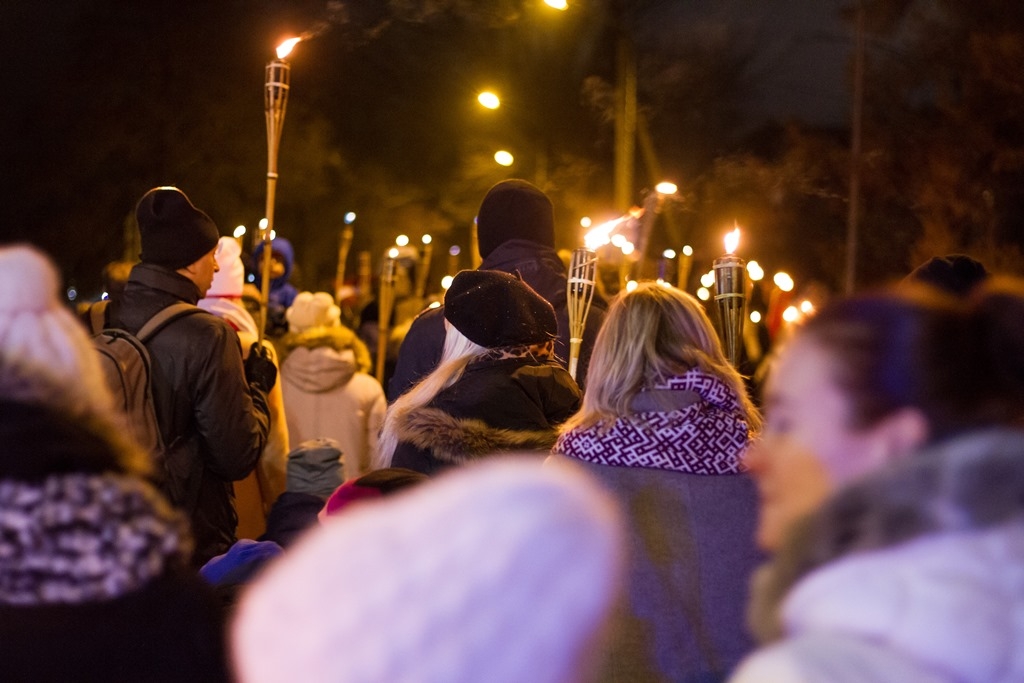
<point x="163" y="318"/>
<point x="98" y="315"/>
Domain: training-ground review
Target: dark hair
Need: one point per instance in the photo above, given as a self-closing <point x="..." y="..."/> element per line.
<point x="960" y="362"/>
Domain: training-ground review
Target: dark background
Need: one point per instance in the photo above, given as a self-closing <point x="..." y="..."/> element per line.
<point x="747" y="106"/>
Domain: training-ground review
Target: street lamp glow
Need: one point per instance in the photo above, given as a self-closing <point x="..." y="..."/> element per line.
<point x="350" y="218"/>
<point x="488" y="100"/>
<point x="239" y="231"/>
<point x="402" y="240"/>
<point x="446" y="281"/>
<point x="585" y="222"/>
<point x="703" y="294"/>
<point x="665" y="187"/>
<point x="687" y="250"/>
<point x="560" y="5"/>
<point x="669" y="253"/>
<point x="263" y="224"/>
<point x="392" y="253"/>
<point x="791" y="314"/>
<point x="273" y="234"/>
<point x="628" y="248"/>
<point x="631" y="285"/>
<point x="755" y="317"/>
<point x="708" y="278"/>
<point x="504" y="158"/>
<point x="426" y="239"/>
<point x="806" y="307"/>
<point x="755" y="271"/>
<point x="783" y="281"/>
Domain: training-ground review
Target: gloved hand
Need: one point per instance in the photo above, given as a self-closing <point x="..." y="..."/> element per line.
<point x="260" y="370"/>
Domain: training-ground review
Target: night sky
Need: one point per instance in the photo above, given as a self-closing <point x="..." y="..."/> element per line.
<point x="104" y="100"/>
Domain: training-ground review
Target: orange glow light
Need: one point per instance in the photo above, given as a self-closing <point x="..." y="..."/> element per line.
<point x="732" y="240"/>
<point x="285" y="48"/>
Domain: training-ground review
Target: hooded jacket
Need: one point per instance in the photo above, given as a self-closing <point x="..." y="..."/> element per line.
<point x="539" y="267"/>
<point x="913" y="574"/>
<point x="214" y="425"/>
<point x="282" y="292"/>
<point x="511" y="404"/>
<point x="329" y="394"/>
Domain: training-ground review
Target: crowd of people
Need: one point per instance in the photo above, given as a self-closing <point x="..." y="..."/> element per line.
<point x="492" y="518"/>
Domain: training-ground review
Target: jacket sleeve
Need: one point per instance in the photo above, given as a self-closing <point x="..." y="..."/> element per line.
<point x="420" y="352"/>
<point x="232" y="418"/>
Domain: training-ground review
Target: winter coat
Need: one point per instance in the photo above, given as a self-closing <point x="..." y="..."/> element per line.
<point x="329" y="394"/>
<point x="254" y="498"/>
<point x="214" y="425"/>
<point x="540" y="268"/>
<point x="912" y="574"/>
<point x="512" y="404"/>
<point x="674" y="465"/>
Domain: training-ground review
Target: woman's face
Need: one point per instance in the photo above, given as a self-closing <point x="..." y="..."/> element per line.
<point x="806" y="448"/>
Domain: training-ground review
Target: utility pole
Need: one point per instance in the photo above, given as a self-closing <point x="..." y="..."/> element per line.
<point x="625" y="116"/>
<point x="853" y="214"/>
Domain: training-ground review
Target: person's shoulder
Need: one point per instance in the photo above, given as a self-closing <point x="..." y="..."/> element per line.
<point x="201" y="330"/>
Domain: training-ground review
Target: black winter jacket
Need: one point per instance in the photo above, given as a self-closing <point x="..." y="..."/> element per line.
<point x="540" y="267"/>
<point x="214" y="425"/>
<point x="513" y="404"/>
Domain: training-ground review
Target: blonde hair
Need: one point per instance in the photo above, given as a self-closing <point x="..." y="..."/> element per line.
<point x="457" y="354"/>
<point x="649" y="335"/>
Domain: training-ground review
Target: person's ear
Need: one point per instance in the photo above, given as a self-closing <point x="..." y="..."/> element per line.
<point x="899" y="435"/>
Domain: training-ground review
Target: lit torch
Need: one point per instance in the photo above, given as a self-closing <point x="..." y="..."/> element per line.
<point x="339" y="274"/>
<point x="423" y="267"/>
<point x="385" y="303"/>
<point x="580" y="294"/>
<point x="274" y="102"/>
<point x="731" y="297"/>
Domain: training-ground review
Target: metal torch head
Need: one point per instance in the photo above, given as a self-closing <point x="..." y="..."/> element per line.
<point x="730" y="299"/>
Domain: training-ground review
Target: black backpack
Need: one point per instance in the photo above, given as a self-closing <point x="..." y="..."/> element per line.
<point x="128" y="372"/>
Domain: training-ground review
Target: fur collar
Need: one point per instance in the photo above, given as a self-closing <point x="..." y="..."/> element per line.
<point x="459" y="440"/>
<point x="974" y="481"/>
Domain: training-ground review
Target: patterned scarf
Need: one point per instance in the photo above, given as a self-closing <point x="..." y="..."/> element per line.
<point x="81" y="538"/>
<point x="707" y="436"/>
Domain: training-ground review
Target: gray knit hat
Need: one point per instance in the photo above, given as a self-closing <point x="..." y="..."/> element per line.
<point x="314" y="467"/>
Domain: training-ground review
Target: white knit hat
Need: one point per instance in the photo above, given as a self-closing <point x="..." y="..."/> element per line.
<point x="502" y="571"/>
<point x="229" y="280"/>
<point x="310" y="310"/>
<point x="45" y="353"/>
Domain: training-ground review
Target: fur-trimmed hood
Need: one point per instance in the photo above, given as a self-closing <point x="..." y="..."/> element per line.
<point x="455" y="440"/>
<point x="956" y="493"/>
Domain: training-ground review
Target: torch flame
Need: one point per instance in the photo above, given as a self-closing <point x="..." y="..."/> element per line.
<point x="732" y="240"/>
<point x="285" y="48"/>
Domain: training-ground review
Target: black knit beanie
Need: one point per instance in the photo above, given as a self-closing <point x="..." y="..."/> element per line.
<point x="495" y="309"/>
<point x="174" y="233"/>
<point x="514" y="209"/>
<point x="955" y="274"/>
